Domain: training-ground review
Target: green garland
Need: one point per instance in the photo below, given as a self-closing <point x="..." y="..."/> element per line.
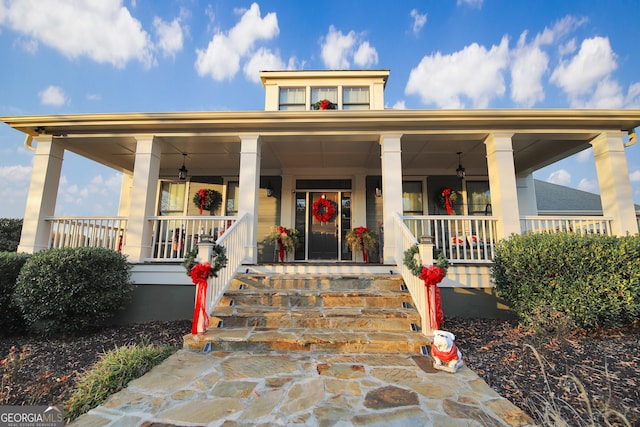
<point x="218" y="259"/>
<point x="412" y="264"/>
<point x="410" y="260"/>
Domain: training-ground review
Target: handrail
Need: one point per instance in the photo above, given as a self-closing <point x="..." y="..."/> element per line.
<point x="174" y="236"/>
<point x="461" y="238"/>
<point x="566" y="224"/>
<point x="99" y="232"/>
<point x="404" y="241"/>
<point x="235" y="240"/>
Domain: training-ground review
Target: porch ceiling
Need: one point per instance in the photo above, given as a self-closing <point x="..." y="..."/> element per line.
<point x="337" y="139"/>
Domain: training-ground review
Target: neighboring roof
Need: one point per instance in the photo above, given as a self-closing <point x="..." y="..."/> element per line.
<point x="558" y="198"/>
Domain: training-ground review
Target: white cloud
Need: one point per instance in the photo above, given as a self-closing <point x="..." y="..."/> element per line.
<point x="529" y="64"/>
<point x="97" y="196"/>
<point x="262" y="60"/>
<point x="13" y="192"/>
<point x="635" y="176"/>
<point x="418" y="20"/>
<point x="339" y="49"/>
<point x="594" y="61"/>
<point x="473" y="72"/>
<point x="365" y="55"/>
<point x="585" y="155"/>
<point x="52" y="95"/>
<point x="103" y="31"/>
<point x="560" y="177"/>
<point x="400" y="105"/>
<point x="170" y="36"/>
<point x="471" y="3"/>
<point x="221" y="59"/>
<point x="590" y="185"/>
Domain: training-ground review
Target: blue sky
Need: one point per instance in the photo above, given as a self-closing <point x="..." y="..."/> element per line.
<point x="84" y="56"/>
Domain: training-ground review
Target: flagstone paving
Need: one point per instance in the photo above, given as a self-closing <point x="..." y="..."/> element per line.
<point x="308" y="351"/>
<point x="304" y="389"/>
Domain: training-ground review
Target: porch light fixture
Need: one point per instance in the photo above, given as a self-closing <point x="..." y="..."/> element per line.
<point x="269" y="189"/>
<point x="182" y="172"/>
<point x="378" y="190"/>
<point x="460" y="170"/>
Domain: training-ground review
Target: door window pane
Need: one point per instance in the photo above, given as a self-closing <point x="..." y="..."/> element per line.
<point x="232" y="199"/>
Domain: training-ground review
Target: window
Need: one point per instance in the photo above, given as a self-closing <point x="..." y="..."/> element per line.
<point x="478" y="198"/>
<point x="412" y="198"/>
<point x="292" y="98"/>
<point x="320" y="93"/>
<point x="232" y="198"/>
<point x="355" y="98"/>
<point x="172" y="198"/>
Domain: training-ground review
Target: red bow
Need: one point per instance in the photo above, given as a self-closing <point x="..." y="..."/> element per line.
<point x="433" y="275"/>
<point x="199" y="275"/>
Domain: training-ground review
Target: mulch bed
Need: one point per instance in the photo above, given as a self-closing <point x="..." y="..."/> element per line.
<point x="605" y="363"/>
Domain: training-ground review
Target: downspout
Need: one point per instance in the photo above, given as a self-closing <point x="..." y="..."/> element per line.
<point x="633" y="138"/>
<point x="28" y="143"/>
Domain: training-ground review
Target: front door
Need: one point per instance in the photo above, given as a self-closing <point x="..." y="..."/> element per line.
<point x="323" y="218"/>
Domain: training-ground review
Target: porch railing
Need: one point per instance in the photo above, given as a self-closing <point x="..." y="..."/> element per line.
<point x="566" y="224"/>
<point x="235" y="240"/>
<point x="404" y="240"/>
<point x="462" y="239"/>
<point x="174" y="236"/>
<point x="76" y="232"/>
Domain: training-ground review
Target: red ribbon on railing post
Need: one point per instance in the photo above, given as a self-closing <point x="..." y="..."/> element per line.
<point x="199" y="275"/>
<point x="447" y="200"/>
<point x="433" y="275"/>
<point x="281" y="249"/>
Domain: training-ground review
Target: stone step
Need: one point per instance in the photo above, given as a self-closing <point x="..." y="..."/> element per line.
<point x="341" y="318"/>
<point x="316" y="282"/>
<point x="310" y="298"/>
<point x="308" y="339"/>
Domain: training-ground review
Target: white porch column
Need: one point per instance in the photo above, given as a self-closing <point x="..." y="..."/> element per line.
<point x="43" y="191"/>
<point x="391" y="191"/>
<point x="249" y="185"/>
<point x="125" y="194"/>
<point x="527" y="202"/>
<point x="144" y="186"/>
<point x="613" y="177"/>
<point x="502" y="182"/>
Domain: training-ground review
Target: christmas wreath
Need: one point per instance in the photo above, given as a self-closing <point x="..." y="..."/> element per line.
<point x="325" y="104"/>
<point x="218" y="260"/>
<point x="448" y="198"/>
<point x="323" y="210"/>
<point x="207" y="200"/>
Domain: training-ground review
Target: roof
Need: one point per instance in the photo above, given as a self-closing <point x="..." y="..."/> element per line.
<point x="558" y="198"/>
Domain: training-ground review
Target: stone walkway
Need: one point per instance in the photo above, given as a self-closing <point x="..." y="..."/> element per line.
<point x="304" y="389"/>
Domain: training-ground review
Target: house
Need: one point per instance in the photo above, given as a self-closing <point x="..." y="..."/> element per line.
<point x="324" y="141"/>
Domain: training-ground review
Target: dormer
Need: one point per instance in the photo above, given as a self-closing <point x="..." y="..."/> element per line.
<point x="305" y="90"/>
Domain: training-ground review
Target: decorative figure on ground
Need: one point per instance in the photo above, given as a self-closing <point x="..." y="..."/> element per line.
<point x="446" y="356"/>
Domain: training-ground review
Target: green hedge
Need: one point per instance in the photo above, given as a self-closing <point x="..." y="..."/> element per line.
<point x="11" y="320"/>
<point x="590" y="280"/>
<point x="72" y="290"/>
<point x="10" y="230"/>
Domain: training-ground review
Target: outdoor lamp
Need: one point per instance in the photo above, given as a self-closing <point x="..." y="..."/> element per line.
<point x="460" y="170"/>
<point x="182" y="172"/>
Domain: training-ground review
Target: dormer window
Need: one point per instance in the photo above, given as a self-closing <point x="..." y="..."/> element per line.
<point x="321" y="93"/>
<point x="355" y="98"/>
<point x="292" y="98"/>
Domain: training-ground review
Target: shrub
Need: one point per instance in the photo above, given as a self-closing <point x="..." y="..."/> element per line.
<point x="10" y="230"/>
<point x="112" y="373"/>
<point x="72" y="290"/>
<point x="11" y="320"/>
<point x="593" y="280"/>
